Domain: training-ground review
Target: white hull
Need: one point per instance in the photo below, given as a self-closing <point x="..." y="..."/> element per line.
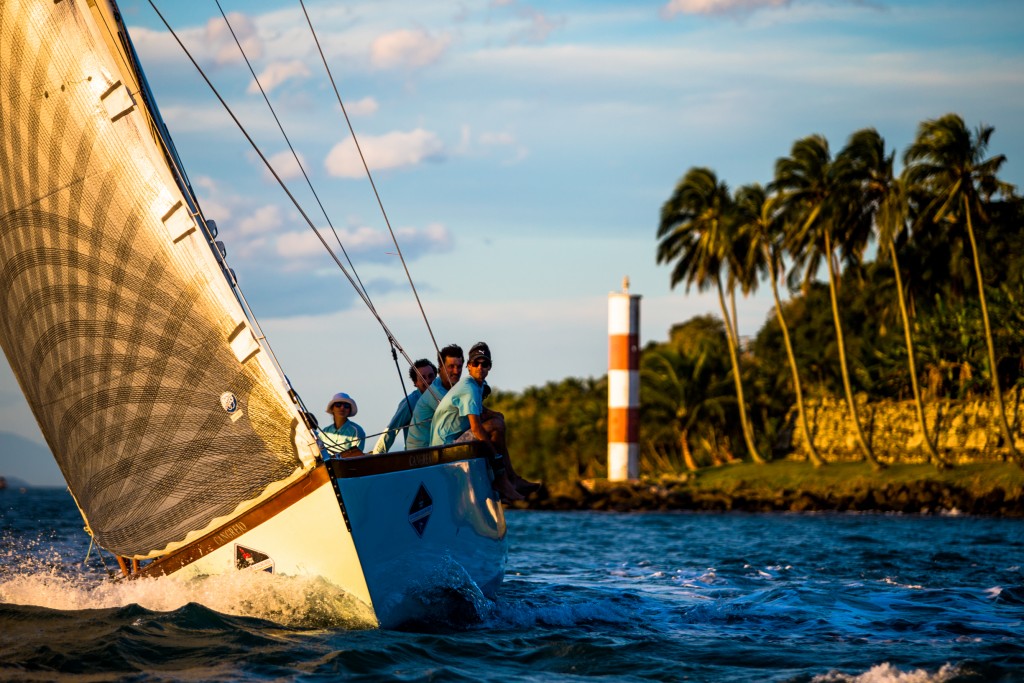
<point x="463" y="535"/>
<point x="410" y="533"/>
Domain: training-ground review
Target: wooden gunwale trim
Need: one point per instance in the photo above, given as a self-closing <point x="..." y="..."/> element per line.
<point x="223" y="535"/>
<point x="397" y="461"/>
<point x="341" y="468"/>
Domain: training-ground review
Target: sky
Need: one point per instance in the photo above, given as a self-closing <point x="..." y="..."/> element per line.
<point x="522" y="152"/>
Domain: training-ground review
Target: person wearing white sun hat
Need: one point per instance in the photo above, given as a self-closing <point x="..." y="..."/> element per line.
<point x="344" y="437"/>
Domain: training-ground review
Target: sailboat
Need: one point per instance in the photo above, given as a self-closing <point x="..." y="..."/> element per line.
<point x="179" y="436"/>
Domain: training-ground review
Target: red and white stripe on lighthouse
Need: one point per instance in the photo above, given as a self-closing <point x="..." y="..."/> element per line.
<point x="623" y="384"/>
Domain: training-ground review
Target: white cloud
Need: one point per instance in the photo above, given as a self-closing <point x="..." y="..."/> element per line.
<point x="198" y="118"/>
<point x="540" y="27"/>
<point x="362" y="243"/>
<point x="221" y="44"/>
<point x="497" y="139"/>
<point x="211" y="197"/>
<point x="674" y="7"/>
<point x="433" y="238"/>
<point x="279" y="73"/>
<point x="285" y="165"/>
<point x="265" y="219"/>
<point x="392" y="150"/>
<point x="298" y="245"/>
<point x="489" y="143"/>
<point x="364" y="107"/>
<point x="406" y="48"/>
<point x="538" y="24"/>
<point x="504" y="140"/>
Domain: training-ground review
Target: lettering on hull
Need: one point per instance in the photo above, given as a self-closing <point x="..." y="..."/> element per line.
<point x="230" y="533"/>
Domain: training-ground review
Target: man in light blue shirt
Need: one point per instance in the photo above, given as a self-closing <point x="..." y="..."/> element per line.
<point x="450" y="362"/>
<point x="422" y="374"/>
<point x="343" y="437"/>
<point x="461" y="416"/>
<point x="452" y="416"/>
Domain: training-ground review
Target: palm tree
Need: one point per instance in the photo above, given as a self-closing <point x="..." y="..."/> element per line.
<point x="868" y="166"/>
<point x="947" y="162"/>
<point x="694" y="234"/>
<point x="759" y="220"/>
<point x="819" y="211"/>
<point x="683" y="391"/>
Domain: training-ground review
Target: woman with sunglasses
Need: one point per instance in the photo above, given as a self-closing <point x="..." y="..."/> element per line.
<point x="344" y="437"/>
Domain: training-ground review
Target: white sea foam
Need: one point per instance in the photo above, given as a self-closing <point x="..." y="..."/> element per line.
<point x="909" y="586"/>
<point x="887" y="673"/>
<point x="290" y="601"/>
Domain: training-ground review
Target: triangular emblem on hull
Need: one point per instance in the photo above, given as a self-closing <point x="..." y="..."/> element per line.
<point x="248" y="558"/>
<point x="419" y="511"/>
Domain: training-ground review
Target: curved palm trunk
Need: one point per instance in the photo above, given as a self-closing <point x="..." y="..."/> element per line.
<point x="684" y="443"/>
<point x="1003" y="424"/>
<point x="734" y="357"/>
<point x="812" y="451"/>
<point x="861" y="441"/>
<point x="735" y="318"/>
<point x="933" y="453"/>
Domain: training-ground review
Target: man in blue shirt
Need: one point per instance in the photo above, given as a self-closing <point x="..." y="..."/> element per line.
<point x="461" y="416"/>
<point x="422" y="374"/>
<point x="344" y="437"/>
<point x="454" y="412"/>
<point x="450" y="362"/>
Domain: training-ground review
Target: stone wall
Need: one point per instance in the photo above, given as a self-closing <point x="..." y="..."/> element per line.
<point x="965" y="431"/>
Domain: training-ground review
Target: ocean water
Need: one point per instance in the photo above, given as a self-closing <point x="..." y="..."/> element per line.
<point x="588" y="596"/>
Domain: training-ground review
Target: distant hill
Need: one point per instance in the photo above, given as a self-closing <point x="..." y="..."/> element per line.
<point x="12" y="482"/>
<point x="28" y="461"/>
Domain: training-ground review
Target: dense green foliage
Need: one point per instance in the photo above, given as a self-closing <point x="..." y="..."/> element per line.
<point x="906" y="253"/>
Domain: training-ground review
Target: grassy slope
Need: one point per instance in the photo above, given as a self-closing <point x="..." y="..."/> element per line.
<point x="994" y="488"/>
<point x="850" y="477"/>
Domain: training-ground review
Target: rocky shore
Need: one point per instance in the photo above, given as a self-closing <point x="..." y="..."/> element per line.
<point x="926" y="495"/>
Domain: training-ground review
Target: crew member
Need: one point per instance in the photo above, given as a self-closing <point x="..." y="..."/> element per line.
<point x="422" y="373"/>
<point x="450" y="362"/>
<point x="344" y="437"/>
<point x="461" y="416"/>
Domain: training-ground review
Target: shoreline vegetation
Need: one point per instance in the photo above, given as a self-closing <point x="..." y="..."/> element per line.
<point x="889" y="376"/>
<point x="988" y="489"/>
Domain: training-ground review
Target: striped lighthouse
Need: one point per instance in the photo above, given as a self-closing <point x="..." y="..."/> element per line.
<point x="623" y="384"/>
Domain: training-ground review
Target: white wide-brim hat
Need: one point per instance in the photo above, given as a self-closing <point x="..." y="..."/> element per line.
<point x="342" y="397"/>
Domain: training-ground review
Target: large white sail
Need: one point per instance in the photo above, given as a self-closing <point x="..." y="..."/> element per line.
<point x="163" y="411"/>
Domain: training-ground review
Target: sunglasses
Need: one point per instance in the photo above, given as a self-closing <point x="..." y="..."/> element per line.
<point x="342" y="405"/>
<point x="481" y="363"/>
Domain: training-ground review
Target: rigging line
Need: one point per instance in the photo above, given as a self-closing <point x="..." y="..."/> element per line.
<point x="259" y="152"/>
<point x="280" y="182"/>
<point x="373" y="185"/>
<point x="401" y="380"/>
<point x="292" y="148"/>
